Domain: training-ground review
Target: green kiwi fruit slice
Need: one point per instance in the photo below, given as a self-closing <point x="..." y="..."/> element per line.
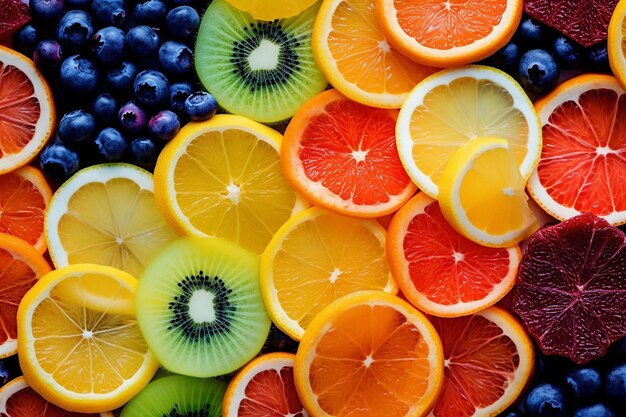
<point x="258" y="69"/>
<point x="200" y="309"/>
<point x="178" y="396"/>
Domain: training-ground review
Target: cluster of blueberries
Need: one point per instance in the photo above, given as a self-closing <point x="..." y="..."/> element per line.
<point x="122" y="77"/>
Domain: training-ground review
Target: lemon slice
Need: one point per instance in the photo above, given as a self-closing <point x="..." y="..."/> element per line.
<point x="482" y="194"/>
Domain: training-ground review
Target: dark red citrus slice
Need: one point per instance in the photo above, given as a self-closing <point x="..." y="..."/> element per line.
<point x="13" y="15"/>
<point x="571" y="287"/>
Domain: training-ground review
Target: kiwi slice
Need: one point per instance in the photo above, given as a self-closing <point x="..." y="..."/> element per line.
<point x="200" y="309"/>
<point x="178" y="396"/>
<point x="258" y="69"/>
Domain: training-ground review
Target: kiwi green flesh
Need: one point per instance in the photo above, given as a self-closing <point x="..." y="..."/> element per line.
<point x="258" y="69"/>
<point x="178" y="396"/>
<point x="200" y="309"/>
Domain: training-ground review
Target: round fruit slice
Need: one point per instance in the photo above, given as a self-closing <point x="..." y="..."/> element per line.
<point x="27" y="115"/>
<point x="200" y="308"/>
<point x="449" y="33"/>
<point x="616" y="43"/>
<point x="78" y="358"/>
<point x="17" y="398"/>
<point x="582" y="167"/>
<point x="264" y="387"/>
<point x="342" y="156"/>
<point x="24" y="197"/>
<point x="571" y="288"/>
<point x="106" y="214"/>
<point x="21" y="266"/>
<point x="258" y="69"/>
<point x="455" y="106"/>
<point x="489" y="360"/>
<point x="438" y="270"/>
<point x="223" y="178"/>
<point x="272" y="9"/>
<point x="317" y="257"/>
<point x="354" y="55"/>
<point x="372" y="352"/>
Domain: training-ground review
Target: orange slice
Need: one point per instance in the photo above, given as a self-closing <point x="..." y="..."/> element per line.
<point x="24" y="197"/>
<point x="369" y="354"/>
<point x="440" y="271"/>
<point x="355" y="57"/>
<point x="342" y="156"/>
<point x="27" y="114"/>
<point x="447" y="33"/>
<point x="616" y="42"/>
<point x="489" y="360"/>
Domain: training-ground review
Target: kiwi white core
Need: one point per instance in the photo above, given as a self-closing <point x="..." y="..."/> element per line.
<point x="265" y="56"/>
<point x="201" y="308"/>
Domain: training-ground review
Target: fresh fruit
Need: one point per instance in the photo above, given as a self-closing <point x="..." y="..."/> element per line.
<point x="178" y="396"/>
<point x="264" y="386"/>
<point x="438" y="270"/>
<point x="22" y="266"/>
<point x="13" y="15"/>
<point x="58" y="162"/>
<point x="143" y="152"/>
<point x="182" y="22"/>
<point x="108" y="45"/>
<point x="489" y="360"/>
<point x="77" y="127"/>
<point x="200" y="308"/>
<point x="24" y="196"/>
<point x="455" y="106"/>
<point x="531" y="33"/>
<point x="354" y="55"/>
<point x="482" y="195"/>
<point x="110" y="145"/>
<point x="369" y="353"/>
<point x="120" y="78"/>
<point x="27" y="114"/>
<point x="79" y="75"/>
<point x="179" y="93"/>
<point x="47" y="54"/>
<point x="132" y="117"/>
<point x="261" y="70"/>
<point x="507" y="58"/>
<point x="538" y="71"/>
<point x="272" y="9"/>
<point x="567" y="52"/>
<point x="584" y="383"/>
<point x="615" y="389"/>
<point x="73" y="350"/>
<point x="200" y="106"/>
<point x="595" y="410"/>
<point x="450" y="33"/>
<point x="46" y="10"/>
<point x="151" y="87"/>
<point x="597" y="57"/>
<point x="109" y="12"/>
<point x="616" y="43"/>
<point x="74" y="29"/>
<point x="142" y="41"/>
<point x="150" y="12"/>
<point x="26" y="38"/>
<point x="164" y="125"/>
<point x="106" y="214"/>
<point x="547" y="399"/>
<point x="317" y="257"/>
<point x="175" y="58"/>
<point x="581" y="167"/>
<point x="241" y="196"/>
<point x="570" y="313"/>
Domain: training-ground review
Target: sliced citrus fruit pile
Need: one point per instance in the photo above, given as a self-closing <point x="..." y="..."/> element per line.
<point x="582" y="163"/>
<point x="27" y="115"/>
<point x="223" y="178"/>
<point x="342" y="156"/>
<point x="372" y="352"/>
<point x="264" y="387"/>
<point x="79" y="358"/>
<point x="356" y="58"/>
<point x="272" y="9"/>
<point x="449" y="33"/>
<point x="440" y="271"/>
<point x="489" y="360"/>
<point x="317" y="257"/>
<point x="457" y="105"/>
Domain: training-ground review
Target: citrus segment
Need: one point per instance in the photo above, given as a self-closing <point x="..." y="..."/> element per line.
<point x="342" y="156"/>
<point x="616" y="42"/>
<point x="272" y="9"/>
<point x="356" y="58"/>
<point x="449" y="33"/>
<point x="440" y="271"/>
<point x="372" y="352"/>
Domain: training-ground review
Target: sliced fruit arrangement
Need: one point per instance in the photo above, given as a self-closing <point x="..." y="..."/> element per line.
<point x="273" y="9"/>
<point x="617" y="43"/>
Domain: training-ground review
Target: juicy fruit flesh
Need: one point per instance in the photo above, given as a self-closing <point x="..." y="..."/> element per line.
<point x="21" y="208"/>
<point x="26" y="403"/>
<point x="271" y="391"/>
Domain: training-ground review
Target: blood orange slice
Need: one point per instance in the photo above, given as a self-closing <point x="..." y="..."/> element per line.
<point x="342" y="155"/>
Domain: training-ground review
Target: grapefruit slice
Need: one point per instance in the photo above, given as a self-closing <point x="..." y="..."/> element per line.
<point x="571" y="288"/>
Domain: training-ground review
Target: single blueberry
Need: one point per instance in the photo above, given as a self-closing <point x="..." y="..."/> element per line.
<point x="596" y="410"/>
<point x="584" y="383"/>
<point x="79" y="74"/>
<point x="77" y="127"/>
<point x="104" y="107"/>
<point x="164" y="125"/>
<point x="48" y="54"/>
<point x="132" y="118"/>
<point x="546" y="400"/>
<point x="175" y="58"/>
<point x="538" y="71"/>
<point x="531" y="33"/>
<point x="109" y="44"/>
<point x="615" y="387"/>
<point x="200" y="106"/>
<point x="597" y="57"/>
<point x="568" y="53"/>
<point x="26" y="38"/>
<point x="142" y="41"/>
<point x="507" y="57"/>
<point x="143" y="152"/>
<point x="182" y="22"/>
<point x="78" y="4"/>
<point x="109" y="12"/>
<point x="110" y="145"/>
<point x="58" y="162"/>
<point x="150" y="12"/>
<point x="120" y="78"/>
<point x="178" y="94"/>
<point x="46" y="10"/>
<point x="151" y="87"/>
<point x="74" y="29"/>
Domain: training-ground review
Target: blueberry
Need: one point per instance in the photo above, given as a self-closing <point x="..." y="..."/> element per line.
<point x="104" y="107"/>
<point x="178" y="94"/>
<point x="150" y="12"/>
<point x="596" y="410"/>
<point x="108" y="44"/>
<point x="76" y="127"/>
<point x="164" y="125"/>
<point x="182" y="22"/>
<point x="143" y="152"/>
<point x="538" y="71"/>
<point x="109" y="12"/>
<point x="78" y="4"/>
<point x="47" y="10"/>
<point x="4" y="374"/>
<point x="200" y="106"/>
<point x="568" y="53"/>
<point x="531" y="33"/>
<point x="142" y="41"/>
<point x="584" y="383"/>
<point x="25" y="39"/>
<point x="151" y="87"/>
<point x="74" y="29"/>
<point x="47" y="55"/>
<point x="546" y="400"/>
<point x="121" y="77"/>
<point x="132" y="117"/>
<point x="597" y="57"/>
<point x="79" y="74"/>
<point x="58" y="162"/>
<point x="507" y="58"/>
<point x="110" y="145"/>
<point x="615" y="388"/>
<point x="175" y="58"/>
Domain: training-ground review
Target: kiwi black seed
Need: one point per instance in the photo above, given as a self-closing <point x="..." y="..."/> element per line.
<point x="263" y="70"/>
<point x="200" y="309"/>
<point x="178" y="396"/>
